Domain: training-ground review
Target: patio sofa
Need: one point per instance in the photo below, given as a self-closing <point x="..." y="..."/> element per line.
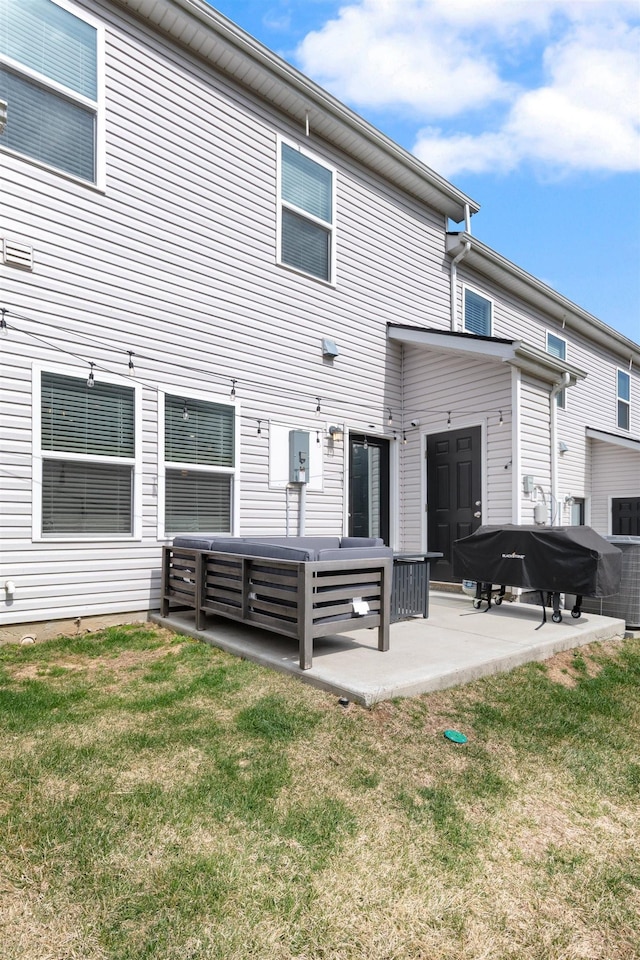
<point x="301" y="587"/>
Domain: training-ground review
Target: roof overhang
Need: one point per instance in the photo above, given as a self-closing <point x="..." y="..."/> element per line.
<point x="492" y="349"/>
<point x="508" y="276"/>
<point x="631" y="443"/>
<point x="224" y="46"/>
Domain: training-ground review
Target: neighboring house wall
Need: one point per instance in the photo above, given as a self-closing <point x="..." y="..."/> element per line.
<point x="591" y="402"/>
<point x="615" y="472"/>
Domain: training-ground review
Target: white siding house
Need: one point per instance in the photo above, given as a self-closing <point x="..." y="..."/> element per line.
<point x="202" y="251"/>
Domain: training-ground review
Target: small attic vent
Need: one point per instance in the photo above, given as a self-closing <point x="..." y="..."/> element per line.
<point x="16" y="254"/>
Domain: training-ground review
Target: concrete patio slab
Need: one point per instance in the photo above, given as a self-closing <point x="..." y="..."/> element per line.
<point x="455" y="645"/>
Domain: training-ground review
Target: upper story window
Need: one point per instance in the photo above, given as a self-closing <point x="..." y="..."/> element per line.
<point x="624" y="399"/>
<point x="307" y="214"/>
<point x="199" y="465"/>
<point x="85" y="463"/>
<point x="477" y="313"/>
<point x="49" y="79"/>
<point x="557" y="347"/>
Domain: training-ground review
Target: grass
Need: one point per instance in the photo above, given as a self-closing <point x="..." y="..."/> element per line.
<point x="160" y="799"/>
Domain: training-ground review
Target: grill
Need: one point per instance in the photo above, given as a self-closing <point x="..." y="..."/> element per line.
<point x="551" y="560"/>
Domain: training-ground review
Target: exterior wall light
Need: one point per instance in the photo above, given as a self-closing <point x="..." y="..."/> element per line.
<point x="336" y="433"/>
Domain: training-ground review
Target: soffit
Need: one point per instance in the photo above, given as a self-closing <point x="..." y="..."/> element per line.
<point x="492" y="349"/>
<point x="631" y="443"/>
<point x="211" y="36"/>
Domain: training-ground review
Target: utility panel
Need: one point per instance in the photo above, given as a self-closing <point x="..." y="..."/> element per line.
<point x="298" y="456"/>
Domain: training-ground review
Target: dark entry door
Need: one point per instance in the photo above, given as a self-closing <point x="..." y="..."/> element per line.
<point x="454" y="491"/>
<point x="368" y="487"/>
<point x="625" y="516"/>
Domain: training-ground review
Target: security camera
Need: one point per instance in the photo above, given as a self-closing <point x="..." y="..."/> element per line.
<point x="415" y="423"/>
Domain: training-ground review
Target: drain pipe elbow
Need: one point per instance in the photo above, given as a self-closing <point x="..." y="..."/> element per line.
<point x="453" y="274"/>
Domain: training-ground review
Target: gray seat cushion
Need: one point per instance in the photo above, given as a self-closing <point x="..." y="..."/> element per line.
<point x="350" y="542"/>
<point x="356" y="553"/>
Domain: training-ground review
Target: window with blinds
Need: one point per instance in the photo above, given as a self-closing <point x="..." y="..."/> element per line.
<point x="88" y="456"/>
<point x="199" y="454"/>
<point x="477" y="314"/>
<point x="306" y="213"/>
<point x="557" y="347"/>
<point x="49" y="78"/>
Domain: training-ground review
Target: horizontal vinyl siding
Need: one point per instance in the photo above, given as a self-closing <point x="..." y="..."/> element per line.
<point x="589" y="403"/>
<point x="474" y="392"/>
<point x="615" y="472"/>
<point x="176" y="261"/>
<point x="535" y="426"/>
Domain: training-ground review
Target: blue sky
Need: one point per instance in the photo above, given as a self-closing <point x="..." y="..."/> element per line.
<point x="531" y="107"/>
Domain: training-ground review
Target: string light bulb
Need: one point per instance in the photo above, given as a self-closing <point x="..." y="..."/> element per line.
<point x="317" y="436"/>
<point x="390" y="417"/>
<point x="132" y="369"/>
<point x="259" y="428"/>
<point x="404" y="436"/>
<point x="3" y="323"/>
<point x="500" y="421"/>
<point x="365" y="445"/>
<point x="185" y="411"/>
<point x="233" y="389"/>
<point x="449" y="418"/>
<point x="91" y="379"/>
<point x="318" y="405"/>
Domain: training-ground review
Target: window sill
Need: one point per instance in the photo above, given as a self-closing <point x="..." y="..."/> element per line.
<point x="331" y="284"/>
<point x="98" y="187"/>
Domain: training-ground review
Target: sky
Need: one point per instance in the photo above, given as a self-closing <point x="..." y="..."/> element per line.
<point x="530" y="107"/>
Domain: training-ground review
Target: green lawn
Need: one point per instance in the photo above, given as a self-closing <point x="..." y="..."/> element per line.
<point x="160" y="799"/>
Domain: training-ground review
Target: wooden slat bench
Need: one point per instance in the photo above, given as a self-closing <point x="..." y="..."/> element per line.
<point x="299" y="599"/>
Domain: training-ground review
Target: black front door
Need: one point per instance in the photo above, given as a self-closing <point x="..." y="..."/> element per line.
<point x="368" y="487"/>
<point x="454" y="492"/>
<point x="625" y="516"/>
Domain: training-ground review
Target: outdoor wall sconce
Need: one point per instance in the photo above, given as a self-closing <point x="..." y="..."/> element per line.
<point x="562" y="447"/>
<point x="336" y="433"/>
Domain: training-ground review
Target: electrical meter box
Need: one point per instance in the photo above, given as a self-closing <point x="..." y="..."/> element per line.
<point x="298" y="456"/>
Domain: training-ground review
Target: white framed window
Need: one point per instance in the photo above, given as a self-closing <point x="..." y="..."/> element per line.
<point x="306" y="212"/>
<point x="557" y="347"/>
<point x="198" y="465"/>
<point x="87" y="468"/>
<point x="50" y="76"/>
<point x="623" y="390"/>
<point x="478" y="313"/>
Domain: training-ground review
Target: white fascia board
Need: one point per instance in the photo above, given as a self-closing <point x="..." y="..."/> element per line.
<point x="225" y="46"/>
<point x="503" y="350"/>
<point x="629" y="442"/>
<point x="526" y="358"/>
<point x="504" y="273"/>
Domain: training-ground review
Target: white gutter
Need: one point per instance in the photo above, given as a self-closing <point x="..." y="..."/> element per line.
<point x="562" y="384"/>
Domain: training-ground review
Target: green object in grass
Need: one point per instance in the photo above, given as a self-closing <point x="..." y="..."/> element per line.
<point x="455" y="735"/>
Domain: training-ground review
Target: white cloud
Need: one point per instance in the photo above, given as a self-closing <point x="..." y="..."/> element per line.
<point x="381" y="53"/>
<point x="439" y="59"/>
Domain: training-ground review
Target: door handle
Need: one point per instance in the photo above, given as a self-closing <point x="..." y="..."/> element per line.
<point x="477" y="514"/>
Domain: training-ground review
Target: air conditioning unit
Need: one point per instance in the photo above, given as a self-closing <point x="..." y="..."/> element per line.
<point x="624" y="605"/>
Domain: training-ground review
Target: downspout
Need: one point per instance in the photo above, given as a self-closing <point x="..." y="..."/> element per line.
<point x="562" y="384"/>
<point x="454" y="280"/>
<point x="454" y="268"/>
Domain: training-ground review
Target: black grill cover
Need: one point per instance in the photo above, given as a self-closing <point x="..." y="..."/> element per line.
<point x="554" y="559"/>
